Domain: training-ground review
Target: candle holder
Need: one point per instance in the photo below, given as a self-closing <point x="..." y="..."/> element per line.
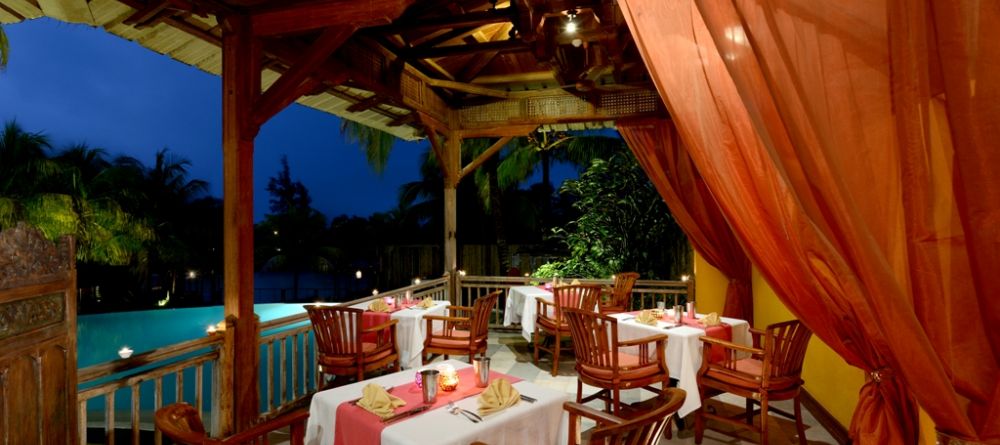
<point x="125" y="352"/>
<point x="448" y="378"/>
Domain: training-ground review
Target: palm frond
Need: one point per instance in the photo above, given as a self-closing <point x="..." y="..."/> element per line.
<point x="376" y="143"/>
<point x="4" y="49"/>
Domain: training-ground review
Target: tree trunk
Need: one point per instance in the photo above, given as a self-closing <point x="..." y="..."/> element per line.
<point x="496" y="207"/>
<point x="546" y="164"/>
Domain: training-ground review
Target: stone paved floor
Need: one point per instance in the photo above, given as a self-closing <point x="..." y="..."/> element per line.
<point x="511" y="354"/>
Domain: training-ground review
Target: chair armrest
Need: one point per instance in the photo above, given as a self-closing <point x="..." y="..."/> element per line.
<point x="296" y="419"/>
<point x="600" y="417"/>
<point x="447" y="318"/>
<point x="643" y="340"/>
<point x="730" y="345"/>
<point x="460" y="308"/>
<point x="379" y="327"/>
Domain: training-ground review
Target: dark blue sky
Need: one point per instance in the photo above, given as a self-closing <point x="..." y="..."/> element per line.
<point x="80" y="84"/>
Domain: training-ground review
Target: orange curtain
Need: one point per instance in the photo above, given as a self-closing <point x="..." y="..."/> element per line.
<point x="659" y="150"/>
<point x="848" y="145"/>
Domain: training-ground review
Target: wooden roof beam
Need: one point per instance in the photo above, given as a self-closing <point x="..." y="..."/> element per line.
<point x="298" y="17"/>
<point x="147" y="14"/>
<point x="482" y="60"/>
<point x="372" y="101"/>
<point x="503" y="46"/>
<point x="289" y="87"/>
<point x="470" y="20"/>
<point x="484" y="156"/>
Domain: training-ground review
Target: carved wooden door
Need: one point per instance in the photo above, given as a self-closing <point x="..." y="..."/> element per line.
<point x="37" y="339"/>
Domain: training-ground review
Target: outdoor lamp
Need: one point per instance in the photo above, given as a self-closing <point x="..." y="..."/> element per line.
<point x="571" y="24"/>
<point x="357" y="274"/>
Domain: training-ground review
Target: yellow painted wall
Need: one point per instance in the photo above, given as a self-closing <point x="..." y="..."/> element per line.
<point x="828" y="377"/>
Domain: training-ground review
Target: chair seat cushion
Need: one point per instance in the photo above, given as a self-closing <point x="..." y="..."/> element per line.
<point x="344" y="361"/>
<point x="628" y="369"/>
<point x="458" y="339"/>
<point x="747" y="373"/>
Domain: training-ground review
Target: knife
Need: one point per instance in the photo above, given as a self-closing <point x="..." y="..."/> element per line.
<point x="528" y="399"/>
<point x="405" y="414"/>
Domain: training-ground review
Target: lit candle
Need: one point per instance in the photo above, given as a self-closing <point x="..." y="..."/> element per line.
<point x="125" y="352"/>
<point x="211" y="329"/>
<point x="685" y="278"/>
<point x="448" y="377"/>
<point x="374" y="291"/>
<point x="461" y="273"/>
<point x="416" y="281"/>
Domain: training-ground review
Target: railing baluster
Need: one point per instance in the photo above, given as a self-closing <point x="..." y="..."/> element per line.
<point x="198" y="388"/>
<point x="180" y="386"/>
<point x="282" y="348"/>
<point x="270" y="375"/>
<point x="82" y="426"/>
<point x="294" y="357"/>
<point x="157" y="404"/>
<point x="135" y="414"/>
<point x="109" y="418"/>
<point x="305" y="362"/>
<point x="314" y="363"/>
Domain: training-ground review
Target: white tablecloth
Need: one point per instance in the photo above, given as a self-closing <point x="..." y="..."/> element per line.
<point x="683" y="351"/>
<point x="521" y="307"/>
<point x="410" y="331"/>
<point x="542" y="422"/>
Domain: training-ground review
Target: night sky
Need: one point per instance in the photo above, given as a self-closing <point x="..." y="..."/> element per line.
<point x="81" y="84"/>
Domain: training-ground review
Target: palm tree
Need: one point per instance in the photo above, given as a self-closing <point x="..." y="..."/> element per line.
<point x="4" y="49"/>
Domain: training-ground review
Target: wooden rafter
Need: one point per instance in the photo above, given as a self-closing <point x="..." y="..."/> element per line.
<point x="484" y="156"/>
<point x="498" y="131"/>
<point x="297" y="17"/>
<point x="503" y="46"/>
<point x="147" y="14"/>
<point x="481" y="60"/>
<point x="470" y="20"/>
<point x="365" y="104"/>
<point x="288" y="87"/>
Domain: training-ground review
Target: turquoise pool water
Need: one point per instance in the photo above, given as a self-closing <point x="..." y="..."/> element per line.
<point x="100" y="336"/>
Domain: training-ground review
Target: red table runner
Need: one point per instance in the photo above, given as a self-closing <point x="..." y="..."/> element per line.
<point x="357" y="426"/>
<point x="372" y="318"/>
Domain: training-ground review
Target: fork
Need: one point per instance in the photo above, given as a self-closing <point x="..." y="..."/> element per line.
<point x="454" y="409"/>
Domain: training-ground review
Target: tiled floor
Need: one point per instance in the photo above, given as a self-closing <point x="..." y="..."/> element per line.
<point x="511" y="354"/>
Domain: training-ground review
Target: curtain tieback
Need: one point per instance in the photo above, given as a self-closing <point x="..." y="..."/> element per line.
<point x="878" y="374"/>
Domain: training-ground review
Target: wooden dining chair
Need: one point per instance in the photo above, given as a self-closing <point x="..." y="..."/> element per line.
<point x="602" y="360"/>
<point x="343" y="347"/>
<point x="645" y="429"/>
<point x="762" y="375"/>
<point x="463" y="331"/>
<point x="181" y="423"/>
<point x="619" y="298"/>
<point x="550" y="320"/>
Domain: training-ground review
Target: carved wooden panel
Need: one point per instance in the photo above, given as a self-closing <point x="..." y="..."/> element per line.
<point x="37" y="339"/>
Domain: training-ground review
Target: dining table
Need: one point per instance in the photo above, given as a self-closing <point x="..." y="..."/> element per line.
<point x="537" y="418"/>
<point x="520" y="307"/>
<point x="410" y="328"/>
<point x="684" y="347"/>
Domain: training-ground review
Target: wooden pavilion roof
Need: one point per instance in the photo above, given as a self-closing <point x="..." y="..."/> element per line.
<point x="398" y="64"/>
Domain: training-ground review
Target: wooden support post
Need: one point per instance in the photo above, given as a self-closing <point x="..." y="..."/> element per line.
<point x="452" y="160"/>
<point x="241" y="56"/>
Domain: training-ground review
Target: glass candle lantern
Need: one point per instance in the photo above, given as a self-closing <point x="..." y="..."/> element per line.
<point x="449" y="377"/>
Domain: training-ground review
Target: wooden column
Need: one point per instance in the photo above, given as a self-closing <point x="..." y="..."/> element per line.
<point x="240" y="90"/>
<point x="453" y="164"/>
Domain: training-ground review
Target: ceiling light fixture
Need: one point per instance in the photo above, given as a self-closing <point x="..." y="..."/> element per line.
<point x="571" y="24"/>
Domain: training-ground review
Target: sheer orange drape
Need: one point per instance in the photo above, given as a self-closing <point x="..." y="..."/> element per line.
<point x="659" y="150"/>
<point x="848" y="145"/>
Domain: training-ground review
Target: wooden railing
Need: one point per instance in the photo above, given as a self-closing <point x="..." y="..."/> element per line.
<point x="287" y="363"/>
<point x="645" y="293"/>
<point x="168" y="365"/>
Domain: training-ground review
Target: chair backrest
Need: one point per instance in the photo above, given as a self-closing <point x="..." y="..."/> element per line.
<point x="481" y="310"/>
<point x="622" y="290"/>
<point x="337" y="328"/>
<point x="645" y="429"/>
<point x="575" y="296"/>
<point x="595" y="337"/>
<point x="182" y="424"/>
<point x="785" y="348"/>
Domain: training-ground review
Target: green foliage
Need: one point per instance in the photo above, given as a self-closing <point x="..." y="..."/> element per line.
<point x="623" y="225"/>
<point x="4" y="49"/>
<point x="376" y="143"/>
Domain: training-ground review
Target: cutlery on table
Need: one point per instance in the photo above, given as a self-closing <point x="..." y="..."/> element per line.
<point x="405" y="414"/>
<point x="528" y="399"/>
<point x="454" y="409"/>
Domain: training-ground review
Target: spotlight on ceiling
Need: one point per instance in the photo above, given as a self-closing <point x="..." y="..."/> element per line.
<point x="571" y="23"/>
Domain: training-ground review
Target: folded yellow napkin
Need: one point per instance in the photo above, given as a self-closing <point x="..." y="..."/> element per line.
<point x="497" y="397"/>
<point x="646" y="317"/>
<point x="427" y="302"/>
<point x="575" y="282"/>
<point x="710" y="320"/>
<point x="376" y="400"/>
<point x="378" y="306"/>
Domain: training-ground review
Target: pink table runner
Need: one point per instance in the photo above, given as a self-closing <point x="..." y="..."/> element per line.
<point x="372" y="318"/>
<point x="357" y="426"/>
